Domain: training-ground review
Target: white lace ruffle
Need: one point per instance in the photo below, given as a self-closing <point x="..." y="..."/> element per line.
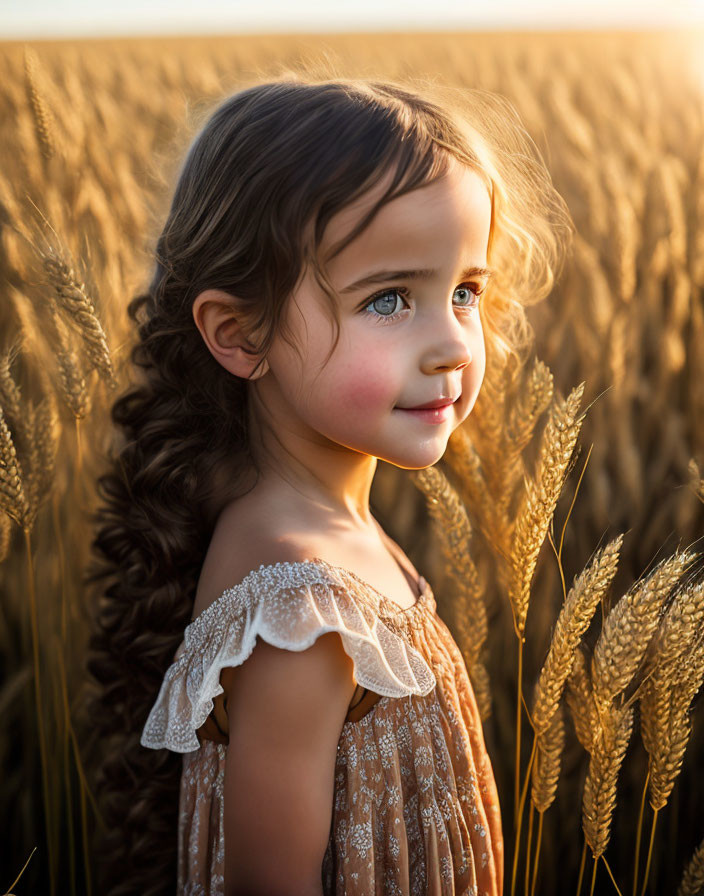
<point x="289" y="605"/>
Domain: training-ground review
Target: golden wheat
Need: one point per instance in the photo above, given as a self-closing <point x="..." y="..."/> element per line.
<point x="585" y="595"/>
<point x="80" y="313"/>
<point x="540" y="499"/>
<point x="629" y="627"/>
<point x="489" y="429"/>
<point x="43" y="421"/>
<point x="72" y="382"/>
<point x="468" y="611"/>
<point x="670" y="689"/>
<point x="546" y="766"/>
<point x="527" y="403"/>
<point x="608" y="747"/>
<point x="580" y="701"/>
<point x="463" y="459"/>
<point x="624" y="149"/>
<point x="534" y="398"/>
<point x="10" y="393"/>
<point x="13" y="499"/>
<point x="42" y="117"/>
<point x="11" y="396"/>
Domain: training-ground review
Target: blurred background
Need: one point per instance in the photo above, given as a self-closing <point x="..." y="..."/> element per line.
<point x="80" y="18"/>
<point x="98" y="103"/>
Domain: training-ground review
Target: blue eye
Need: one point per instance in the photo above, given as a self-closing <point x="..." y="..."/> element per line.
<point x="383" y="304"/>
<point x="470" y="292"/>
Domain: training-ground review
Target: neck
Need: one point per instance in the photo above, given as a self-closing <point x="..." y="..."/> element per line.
<point x="324" y="477"/>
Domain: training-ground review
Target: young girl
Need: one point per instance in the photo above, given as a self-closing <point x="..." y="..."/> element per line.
<point x="288" y="713"/>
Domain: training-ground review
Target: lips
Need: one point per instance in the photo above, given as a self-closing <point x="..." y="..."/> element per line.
<point x="436" y="403"/>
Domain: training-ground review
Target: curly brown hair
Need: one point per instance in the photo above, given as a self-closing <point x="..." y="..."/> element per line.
<point x="269" y="168"/>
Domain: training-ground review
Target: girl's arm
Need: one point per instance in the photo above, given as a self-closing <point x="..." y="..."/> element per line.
<point x="285" y="713"/>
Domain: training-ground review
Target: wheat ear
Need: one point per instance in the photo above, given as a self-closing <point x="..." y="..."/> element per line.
<point x="540" y="500"/>
<point x="535" y="398"/>
<point x="463" y="459"/>
<point x="629" y="627"/>
<point x="670" y="689"/>
<point x="74" y="389"/>
<point x="532" y="400"/>
<point x="80" y="313"/>
<point x="13" y="499"/>
<point x="454" y="529"/>
<point x="546" y="766"/>
<point x="43" y="124"/>
<point x="41" y="454"/>
<point x="608" y="748"/>
<point x="579" y="700"/>
<point x="11" y="396"/>
<point x="585" y="595"/>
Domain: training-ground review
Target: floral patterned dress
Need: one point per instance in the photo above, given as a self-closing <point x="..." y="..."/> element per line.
<point x="416" y="809"/>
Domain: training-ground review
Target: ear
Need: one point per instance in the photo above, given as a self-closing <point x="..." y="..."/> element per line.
<point x="221" y="322"/>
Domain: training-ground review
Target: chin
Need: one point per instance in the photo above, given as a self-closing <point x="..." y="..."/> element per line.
<point x="422" y="462"/>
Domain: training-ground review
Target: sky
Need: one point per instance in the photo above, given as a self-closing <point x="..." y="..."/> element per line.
<point x="93" y="18"/>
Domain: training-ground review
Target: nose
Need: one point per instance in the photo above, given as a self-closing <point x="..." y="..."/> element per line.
<point x="449" y="346"/>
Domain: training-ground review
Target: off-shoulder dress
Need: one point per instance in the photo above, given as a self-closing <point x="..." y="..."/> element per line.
<point x="415" y="809"/>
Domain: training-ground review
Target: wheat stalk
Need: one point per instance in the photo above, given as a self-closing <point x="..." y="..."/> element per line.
<point x="540" y="500"/>
<point x="546" y="765"/>
<point x="41" y="115"/>
<point x="580" y="701"/>
<point x="576" y="614"/>
<point x="454" y="530"/>
<point x="670" y="689"/>
<point x="489" y="428"/>
<point x="490" y="420"/>
<point x="489" y="470"/>
<point x="608" y="747"/>
<point x="533" y="400"/>
<point x="79" y="312"/>
<point x="42" y="453"/>
<point x="629" y="627"/>
<point x="13" y="500"/>
<point x="463" y="459"/>
<point x="526" y="408"/>
<point x="74" y="389"/>
<point x="11" y="395"/>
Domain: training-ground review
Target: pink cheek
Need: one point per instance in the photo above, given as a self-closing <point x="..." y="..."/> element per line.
<point x="366" y="388"/>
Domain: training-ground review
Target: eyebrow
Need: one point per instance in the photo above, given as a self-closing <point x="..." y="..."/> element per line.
<point x="420" y="274"/>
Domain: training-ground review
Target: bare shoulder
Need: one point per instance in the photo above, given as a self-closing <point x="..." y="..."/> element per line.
<point x="245" y="538"/>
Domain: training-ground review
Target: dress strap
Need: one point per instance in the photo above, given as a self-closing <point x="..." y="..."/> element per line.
<point x="357" y="702"/>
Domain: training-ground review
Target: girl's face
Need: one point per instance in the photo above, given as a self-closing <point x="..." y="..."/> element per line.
<point x="406" y="339"/>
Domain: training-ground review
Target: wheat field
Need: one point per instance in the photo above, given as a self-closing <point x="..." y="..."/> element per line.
<point x="560" y="530"/>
